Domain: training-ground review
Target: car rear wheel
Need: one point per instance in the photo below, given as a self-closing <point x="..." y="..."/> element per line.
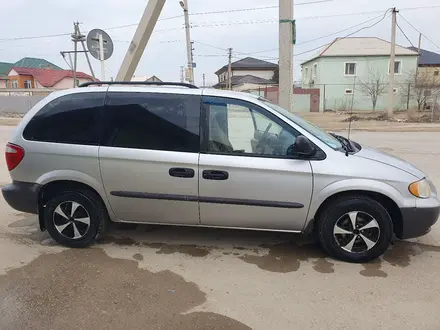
<point x="355" y="229"/>
<point x="75" y="218"/>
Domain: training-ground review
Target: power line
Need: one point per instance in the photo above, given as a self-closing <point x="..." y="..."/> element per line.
<point x="427" y="38"/>
<point x="211" y="24"/>
<point x="315" y="39"/>
<point x="348" y="35"/>
<point x="208" y="45"/>
<point x="405" y="35"/>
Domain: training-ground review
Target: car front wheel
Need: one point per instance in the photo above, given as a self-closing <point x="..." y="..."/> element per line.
<point x="355" y="229"/>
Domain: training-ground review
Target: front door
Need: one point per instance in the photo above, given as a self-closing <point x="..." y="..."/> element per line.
<point x="246" y="178"/>
<point x="149" y="156"/>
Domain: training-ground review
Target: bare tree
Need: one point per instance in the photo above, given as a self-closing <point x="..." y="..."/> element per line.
<point x="374" y="86"/>
<point x="421" y="87"/>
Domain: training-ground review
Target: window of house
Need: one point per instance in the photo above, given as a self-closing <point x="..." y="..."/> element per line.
<point x="397" y="67"/>
<point x="306" y="73"/>
<point x="436" y="73"/>
<point x="27" y="84"/>
<point x="315" y="70"/>
<point x="14" y="84"/>
<point x="240" y="128"/>
<point x="348" y="91"/>
<point x="350" y="69"/>
<point x="153" y="121"/>
<point x="71" y="119"/>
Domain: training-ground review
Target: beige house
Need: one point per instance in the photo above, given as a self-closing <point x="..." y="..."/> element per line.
<point x="429" y="63"/>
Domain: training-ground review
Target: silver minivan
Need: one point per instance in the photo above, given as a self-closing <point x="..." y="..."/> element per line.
<point x="179" y="155"/>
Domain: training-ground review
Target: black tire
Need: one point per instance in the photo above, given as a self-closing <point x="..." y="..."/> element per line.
<point x="96" y="211"/>
<point x="335" y="212"/>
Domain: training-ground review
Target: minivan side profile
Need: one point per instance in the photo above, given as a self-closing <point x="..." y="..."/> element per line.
<point x="174" y="155"/>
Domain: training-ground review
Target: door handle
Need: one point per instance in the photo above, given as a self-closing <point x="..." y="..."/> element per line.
<point x="181" y="172"/>
<point x="215" y="175"/>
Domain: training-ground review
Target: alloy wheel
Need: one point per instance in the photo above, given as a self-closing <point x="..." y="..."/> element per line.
<point x="356" y="232"/>
<point x="71" y="220"/>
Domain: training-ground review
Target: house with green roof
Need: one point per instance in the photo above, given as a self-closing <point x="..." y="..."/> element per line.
<point x="36" y="63"/>
<point x="4" y="69"/>
<point x="25" y="62"/>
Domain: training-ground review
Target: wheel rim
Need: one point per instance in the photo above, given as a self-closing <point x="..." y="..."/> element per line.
<point x="356" y="232"/>
<point x="71" y="220"/>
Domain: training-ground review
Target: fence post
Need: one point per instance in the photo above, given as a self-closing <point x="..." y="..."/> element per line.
<point x="407" y="97"/>
<point x="323" y="101"/>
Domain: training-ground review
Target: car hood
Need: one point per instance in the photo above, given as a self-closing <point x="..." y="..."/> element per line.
<point x="384" y="158"/>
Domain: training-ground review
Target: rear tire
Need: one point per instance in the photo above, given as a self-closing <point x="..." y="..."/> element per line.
<point x="368" y="239"/>
<point x="75" y="218"/>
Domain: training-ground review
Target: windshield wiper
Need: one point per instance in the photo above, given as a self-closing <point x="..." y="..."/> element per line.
<point x="346" y="143"/>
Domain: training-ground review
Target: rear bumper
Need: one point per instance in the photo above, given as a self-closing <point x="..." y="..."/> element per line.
<point x="417" y="221"/>
<point x="22" y="196"/>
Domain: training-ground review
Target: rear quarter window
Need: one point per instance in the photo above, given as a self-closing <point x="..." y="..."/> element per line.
<point x="152" y="121"/>
<point x="71" y="119"/>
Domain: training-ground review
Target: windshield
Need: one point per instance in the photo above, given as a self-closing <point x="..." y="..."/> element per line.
<point x="329" y="140"/>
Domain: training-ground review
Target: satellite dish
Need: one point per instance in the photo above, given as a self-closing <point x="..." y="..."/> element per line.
<point x="93" y="44"/>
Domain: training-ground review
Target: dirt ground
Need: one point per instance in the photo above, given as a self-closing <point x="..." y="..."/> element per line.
<point x="152" y="277"/>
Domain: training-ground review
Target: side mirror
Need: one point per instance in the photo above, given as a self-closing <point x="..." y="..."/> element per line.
<point x="302" y="147"/>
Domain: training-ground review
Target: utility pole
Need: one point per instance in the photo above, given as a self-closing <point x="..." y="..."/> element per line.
<point x="392" y="61"/>
<point x="418" y="57"/>
<point x="184" y="5"/>
<point x="286" y="41"/>
<point x="230" y="69"/>
<point x="75" y="39"/>
<point x="140" y="40"/>
<point x="203" y="80"/>
<point x="182" y="74"/>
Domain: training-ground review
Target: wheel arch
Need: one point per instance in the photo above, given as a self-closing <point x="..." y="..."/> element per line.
<point x="52" y="188"/>
<point x="388" y="203"/>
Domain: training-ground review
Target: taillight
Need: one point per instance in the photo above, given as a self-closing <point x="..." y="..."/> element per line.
<point x="14" y="155"/>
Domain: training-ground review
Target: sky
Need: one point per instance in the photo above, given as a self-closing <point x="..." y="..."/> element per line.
<point x="250" y="32"/>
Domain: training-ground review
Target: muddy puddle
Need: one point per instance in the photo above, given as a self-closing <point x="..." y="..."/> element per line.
<point x="85" y="288"/>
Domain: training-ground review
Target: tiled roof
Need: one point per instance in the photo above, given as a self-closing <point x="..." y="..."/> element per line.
<point x="4" y="68"/>
<point x="360" y="46"/>
<point x="36" y="63"/>
<point x="247" y="79"/>
<point x="48" y="77"/>
<point x="427" y="57"/>
<point x="250" y="63"/>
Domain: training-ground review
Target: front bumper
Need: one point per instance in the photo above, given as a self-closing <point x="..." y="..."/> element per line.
<point x="417" y="221"/>
<point x="22" y="196"/>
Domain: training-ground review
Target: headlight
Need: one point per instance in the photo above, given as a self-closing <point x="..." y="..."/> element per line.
<point x="421" y="189"/>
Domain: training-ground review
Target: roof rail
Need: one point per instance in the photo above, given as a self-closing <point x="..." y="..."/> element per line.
<point x="151" y="83"/>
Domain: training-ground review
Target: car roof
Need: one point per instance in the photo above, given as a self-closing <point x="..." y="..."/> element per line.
<point x="160" y="89"/>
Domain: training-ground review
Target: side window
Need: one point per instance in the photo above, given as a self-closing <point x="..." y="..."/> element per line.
<point x="71" y="119"/>
<point x="152" y="121"/>
<point x="241" y="128"/>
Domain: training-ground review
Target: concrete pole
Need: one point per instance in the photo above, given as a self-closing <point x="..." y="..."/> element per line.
<point x="418" y="57"/>
<point x="184" y="5"/>
<point x="75" y="47"/>
<point x="286" y="54"/>
<point x="101" y="56"/>
<point x="392" y="61"/>
<point x="140" y="40"/>
<point x="230" y="70"/>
